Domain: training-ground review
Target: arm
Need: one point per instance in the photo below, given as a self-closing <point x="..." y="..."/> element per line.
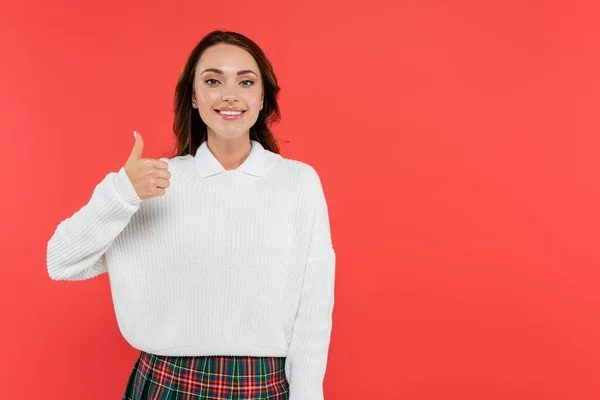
<point x="307" y="357"/>
<point x="76" y="249"/>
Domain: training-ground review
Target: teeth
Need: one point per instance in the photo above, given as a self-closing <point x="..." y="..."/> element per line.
<point x="230" y="112"/>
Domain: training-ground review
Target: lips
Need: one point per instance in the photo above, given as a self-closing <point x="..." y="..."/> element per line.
<point x="230" y="113"/>
<point x="230" y="109"/>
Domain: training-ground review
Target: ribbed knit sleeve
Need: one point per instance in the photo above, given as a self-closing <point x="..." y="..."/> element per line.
<point x="76" y="249"/>
<point x="307" y="358"/>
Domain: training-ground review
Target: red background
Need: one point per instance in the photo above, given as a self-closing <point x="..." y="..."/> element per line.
<point x="458" y="147"/>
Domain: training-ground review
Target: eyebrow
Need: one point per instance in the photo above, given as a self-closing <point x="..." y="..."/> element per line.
<point x="218" y="71"/>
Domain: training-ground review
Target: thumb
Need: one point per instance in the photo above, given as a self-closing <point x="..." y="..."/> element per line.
<point x="138" y="147"/>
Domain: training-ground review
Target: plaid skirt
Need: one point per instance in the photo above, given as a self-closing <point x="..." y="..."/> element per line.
<point x="156" y="377"/>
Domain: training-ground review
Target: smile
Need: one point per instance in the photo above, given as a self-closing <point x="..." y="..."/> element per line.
<point x="230" y="114"/>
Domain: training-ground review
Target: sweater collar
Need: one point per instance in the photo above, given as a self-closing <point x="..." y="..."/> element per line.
<point x="207" y="164"/>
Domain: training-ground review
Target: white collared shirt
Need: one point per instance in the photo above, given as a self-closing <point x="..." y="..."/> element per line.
<point x="208" y="164"/>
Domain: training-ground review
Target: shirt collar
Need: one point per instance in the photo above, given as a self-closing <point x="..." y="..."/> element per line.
<point x="207" y="164"/>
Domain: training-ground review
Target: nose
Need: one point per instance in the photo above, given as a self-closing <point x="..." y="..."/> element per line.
<point x="229" y="92"/>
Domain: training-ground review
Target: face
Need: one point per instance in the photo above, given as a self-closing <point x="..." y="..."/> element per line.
<point x="227" y="90"/>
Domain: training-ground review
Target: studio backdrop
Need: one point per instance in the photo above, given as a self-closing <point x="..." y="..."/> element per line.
<point x="457" y="143"/>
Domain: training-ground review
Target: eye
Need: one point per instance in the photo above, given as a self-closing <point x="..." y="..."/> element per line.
<point x="208" y="80"/>
<point x="250" y="82"/>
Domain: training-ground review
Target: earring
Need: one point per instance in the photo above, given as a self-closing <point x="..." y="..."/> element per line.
<point x="261" y="107"/>
<point x="193" y="104"/>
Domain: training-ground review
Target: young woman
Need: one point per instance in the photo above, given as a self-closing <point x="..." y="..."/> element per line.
<point x="220" y="259"/>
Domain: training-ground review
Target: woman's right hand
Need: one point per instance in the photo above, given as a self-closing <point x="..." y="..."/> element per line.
<point x="148" y="176"/>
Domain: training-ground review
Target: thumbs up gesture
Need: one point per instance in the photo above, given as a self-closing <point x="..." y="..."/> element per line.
<point x="148" y="176"/>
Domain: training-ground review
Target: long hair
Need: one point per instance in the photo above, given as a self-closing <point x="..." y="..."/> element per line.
<point x="190" y="131"/>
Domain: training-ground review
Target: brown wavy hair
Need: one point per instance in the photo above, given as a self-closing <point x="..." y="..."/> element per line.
<point x="190" y="131"/>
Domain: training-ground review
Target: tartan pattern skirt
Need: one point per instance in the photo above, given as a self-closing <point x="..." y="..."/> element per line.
<point x="156" y="377"/>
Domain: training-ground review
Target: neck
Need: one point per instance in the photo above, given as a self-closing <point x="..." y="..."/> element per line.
<point x="231" y="153"/>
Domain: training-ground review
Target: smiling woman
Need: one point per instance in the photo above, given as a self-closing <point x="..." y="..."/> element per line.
<point x="227" y="78"/>
<point x="220" y="258"/>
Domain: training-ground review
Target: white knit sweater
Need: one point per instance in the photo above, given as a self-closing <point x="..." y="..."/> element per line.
<point x="236" y="262"/>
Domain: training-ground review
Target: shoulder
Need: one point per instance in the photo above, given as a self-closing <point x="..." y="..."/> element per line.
<point x="178" y="162"/>
<point x="297" y="168"/>
<point x="303" y="174"/>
